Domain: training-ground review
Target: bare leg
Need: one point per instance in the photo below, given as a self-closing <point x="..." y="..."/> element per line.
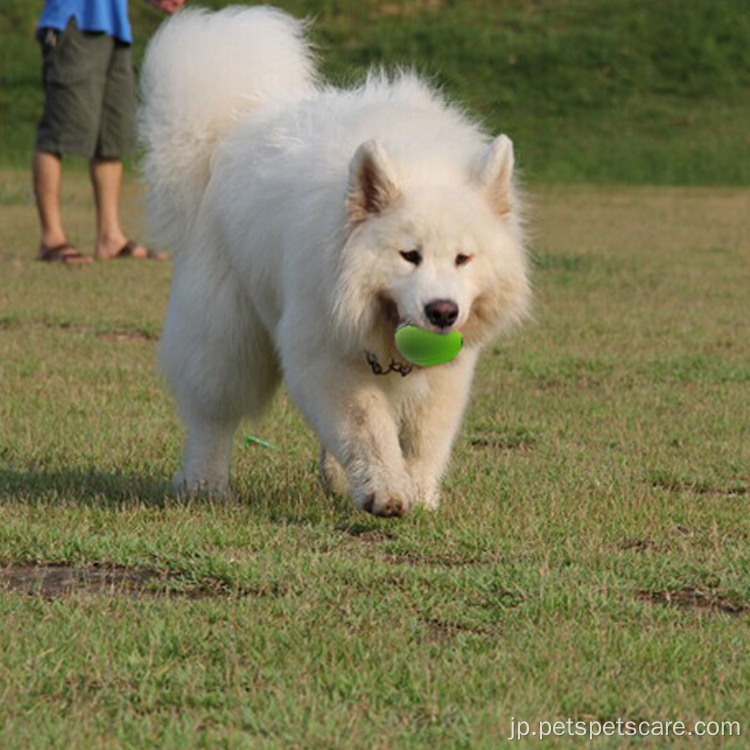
<point x="47" y="170"/>
<point x="106" y="180"/>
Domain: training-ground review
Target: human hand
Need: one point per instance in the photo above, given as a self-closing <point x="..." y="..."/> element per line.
<point x="168" y="6"/>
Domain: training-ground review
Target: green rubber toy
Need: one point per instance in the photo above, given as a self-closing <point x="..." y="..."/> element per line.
<point x="425" y="348"/>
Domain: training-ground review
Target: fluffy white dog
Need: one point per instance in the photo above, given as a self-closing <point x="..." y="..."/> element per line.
<point x="308" y="224"/>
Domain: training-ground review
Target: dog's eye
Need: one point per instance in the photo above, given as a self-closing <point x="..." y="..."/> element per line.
<point x="412" y="256"/>
<point x="462" y="259"/>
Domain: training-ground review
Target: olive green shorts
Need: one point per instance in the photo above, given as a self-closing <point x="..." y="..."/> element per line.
<point x="89" y="86"/>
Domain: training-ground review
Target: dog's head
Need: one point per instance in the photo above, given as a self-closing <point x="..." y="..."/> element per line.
<point x="437" y="250"/>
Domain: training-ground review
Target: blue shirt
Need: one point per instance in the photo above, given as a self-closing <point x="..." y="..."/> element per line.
<point x="109" y="16"/>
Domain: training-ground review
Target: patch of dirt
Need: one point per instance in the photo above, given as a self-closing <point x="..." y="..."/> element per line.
<point x="699" y="488"/>
<point x="503" y="442"/>
<point x="439" y="561"/>
<point x="60" y="580"/>
<point x="449" y="627"/>
<point x="639" y="545"/>
<point x="6" y="324"/>
<point x="409" y="8"/>
<point x="128" y="336"/>
<point x="513" y="439"/>
<point x="690" y="598"/>
<point x="117" y="335"/>
<point x="366" y="534"/>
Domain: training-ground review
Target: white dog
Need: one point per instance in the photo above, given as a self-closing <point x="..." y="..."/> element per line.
<point x="308" y="224"/>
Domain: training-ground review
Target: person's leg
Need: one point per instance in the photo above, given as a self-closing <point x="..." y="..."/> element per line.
<point x="106" y="180"/>
<point x="116" y="139"/>
<point x="61" y="130"/>
<point x="53" y="243"/>
<point x="111" y="240"/>
<point x="47" y="172"/>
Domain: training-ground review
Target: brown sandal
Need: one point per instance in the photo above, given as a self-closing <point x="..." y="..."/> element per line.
<point x="129" y="248"/>
<point x="63" y="253"/>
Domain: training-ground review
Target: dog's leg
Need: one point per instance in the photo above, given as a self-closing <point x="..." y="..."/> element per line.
<point x="355" y="422"/>
<point x="368" y="448"/>
<point x="332" y="475"/>
<point x="207" y="454"/>
<point x="220" y="364"/>
<point x="430" y="426"/>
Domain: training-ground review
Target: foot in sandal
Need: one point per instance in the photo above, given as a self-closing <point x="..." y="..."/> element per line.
<point x="62" y="253"/>
<point x="131" y="249"/>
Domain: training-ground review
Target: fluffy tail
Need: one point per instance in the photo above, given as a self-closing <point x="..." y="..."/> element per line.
<point x="201" y="71"/>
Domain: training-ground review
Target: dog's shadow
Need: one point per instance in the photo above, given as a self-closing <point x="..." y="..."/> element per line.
<point x="95" y="488"/>
<point x="82" y="487"/>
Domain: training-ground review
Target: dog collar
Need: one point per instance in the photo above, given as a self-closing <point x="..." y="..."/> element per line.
<point x="401" y="368"/>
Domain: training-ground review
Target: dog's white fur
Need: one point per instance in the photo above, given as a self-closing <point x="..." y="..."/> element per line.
<point x="289" y="205"/>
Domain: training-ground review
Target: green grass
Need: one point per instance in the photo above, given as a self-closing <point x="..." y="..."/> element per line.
<point x="589" y="560"/>
<point x="604" y="91"/>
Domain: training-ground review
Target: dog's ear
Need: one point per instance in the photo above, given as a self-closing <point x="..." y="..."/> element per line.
<point x="373" y="185"/>
<point x="496" y="175"/>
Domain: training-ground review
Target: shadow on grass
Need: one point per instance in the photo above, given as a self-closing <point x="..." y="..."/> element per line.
<point x="82" y="487"/>
<point x="303" y="506"/>
<point x="97" y="488"/>
<point x="299" y="504"/>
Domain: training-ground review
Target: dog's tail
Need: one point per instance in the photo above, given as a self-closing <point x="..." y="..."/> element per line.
<point x="201" y="72"/>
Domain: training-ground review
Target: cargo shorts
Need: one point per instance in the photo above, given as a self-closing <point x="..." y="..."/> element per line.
<point x="89" y="87"/>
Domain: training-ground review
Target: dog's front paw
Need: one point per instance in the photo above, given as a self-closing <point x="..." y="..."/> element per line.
<point x="427" y="492"/>
<point x="192" y="488"/>
<point x="386" y="505"/>
<point x="428" y="498"/>
<point x="384" y="502"/>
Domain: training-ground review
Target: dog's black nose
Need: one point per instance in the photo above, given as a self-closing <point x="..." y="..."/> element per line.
<point x="441" y="312"/>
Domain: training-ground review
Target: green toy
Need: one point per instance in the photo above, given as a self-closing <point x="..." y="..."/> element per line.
<point x="251" y="440"/>
<point x="425" y="348"/>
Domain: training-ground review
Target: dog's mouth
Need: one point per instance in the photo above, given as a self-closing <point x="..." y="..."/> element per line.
<point x="394" y="319"/>
<point x="389" y="312"/>
<point x="429" y="327"/>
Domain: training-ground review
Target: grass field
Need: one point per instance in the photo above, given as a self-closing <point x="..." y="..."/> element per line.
<point x="626" y="91"/>
<point x="591" y="560"/>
